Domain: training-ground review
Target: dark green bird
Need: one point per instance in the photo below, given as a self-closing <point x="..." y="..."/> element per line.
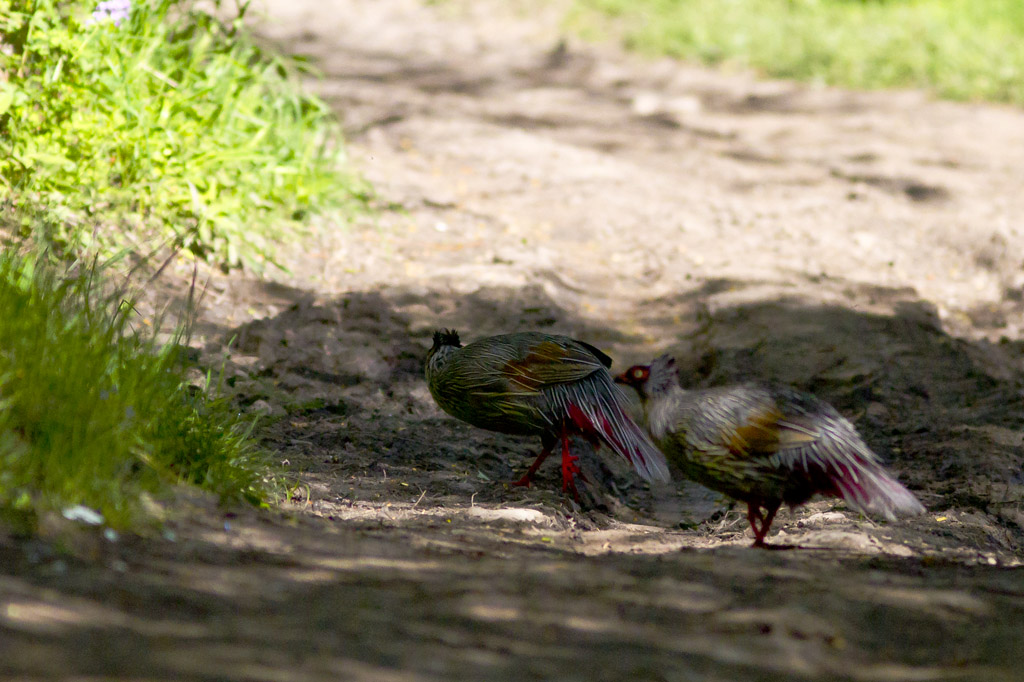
<point x="536" y="384"/>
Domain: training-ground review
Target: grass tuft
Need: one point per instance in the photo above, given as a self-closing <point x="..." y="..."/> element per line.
<point x="960" y="49"/>
<point x="166" y="128"/>
<point x="94" y="413"/>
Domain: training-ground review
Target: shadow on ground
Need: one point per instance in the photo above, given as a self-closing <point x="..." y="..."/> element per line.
<point x="350" y="413"/>
<point x="269" y="598"/>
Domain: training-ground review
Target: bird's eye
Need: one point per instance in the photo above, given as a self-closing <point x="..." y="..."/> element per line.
<point x="639" y="373"/>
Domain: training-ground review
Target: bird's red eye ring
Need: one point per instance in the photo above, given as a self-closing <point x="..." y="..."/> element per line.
<point x="639" y="373"/>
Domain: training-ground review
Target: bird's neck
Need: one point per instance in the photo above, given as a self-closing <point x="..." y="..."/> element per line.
<point x="438" y="359"/>
<point x="659" y="408"/>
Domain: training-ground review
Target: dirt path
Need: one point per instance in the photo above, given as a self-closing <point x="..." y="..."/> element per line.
<point x="863" y="246"/>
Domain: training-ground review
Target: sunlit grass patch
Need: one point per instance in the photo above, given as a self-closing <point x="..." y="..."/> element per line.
<point x="158" y="125"/>
<point x="95" y="412"/>
<point x="961" y="49"/>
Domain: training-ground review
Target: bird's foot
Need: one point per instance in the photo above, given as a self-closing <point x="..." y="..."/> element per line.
<point x="527" y="478"/>
<point x="569" y="469"/>
<point x="760" y="523"/>
<point x="524" y="482"/>
<point x="569" y="473"/>
<point x="569" y="486"/>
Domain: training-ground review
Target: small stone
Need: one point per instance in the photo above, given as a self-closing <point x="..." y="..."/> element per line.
<point x="265" y="408"/>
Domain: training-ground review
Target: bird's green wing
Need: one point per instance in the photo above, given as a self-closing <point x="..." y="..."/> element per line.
<point x="550" y="362"/>
<point x="747" y="425"/>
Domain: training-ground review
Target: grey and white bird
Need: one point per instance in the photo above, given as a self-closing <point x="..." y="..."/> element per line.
<point x="533" y="383"/>
<point x="764" y="445"/>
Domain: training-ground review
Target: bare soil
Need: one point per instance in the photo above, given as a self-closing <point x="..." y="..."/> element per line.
<point x="863" y="246"/>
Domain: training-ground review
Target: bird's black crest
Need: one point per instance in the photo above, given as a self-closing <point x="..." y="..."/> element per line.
<point x="446" y="337"/>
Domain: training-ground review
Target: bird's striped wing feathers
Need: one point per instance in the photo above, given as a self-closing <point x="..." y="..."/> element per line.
<point x="595" y="406"/>
<point x="826" y="445"/>
<point x="798" y="433"/>
<point x="737" y="422"/>
<point x="573" y="377"/>
<point x="756" y="434"/>
<point x="601" y="356"/>
<point x="549" y="363"/>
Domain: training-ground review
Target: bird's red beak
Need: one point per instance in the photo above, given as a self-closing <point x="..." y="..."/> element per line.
<point x="621" y="379"/>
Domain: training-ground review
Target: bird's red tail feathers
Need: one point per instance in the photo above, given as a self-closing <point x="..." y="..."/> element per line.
<point x="856" y="475"/>
<point x="598" y="409"/>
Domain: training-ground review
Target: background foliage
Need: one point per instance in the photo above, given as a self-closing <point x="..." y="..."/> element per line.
<point x="167" y="128"/>
<point x="961" y="49"/>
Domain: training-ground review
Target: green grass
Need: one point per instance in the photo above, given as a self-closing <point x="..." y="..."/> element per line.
<point x="171" y="130"/>
<point x="93" y="412"/>
<point x="960" y="49"/>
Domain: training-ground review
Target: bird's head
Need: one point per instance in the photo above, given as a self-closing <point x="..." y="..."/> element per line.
<point x="651" y="380"/>
<point x="446" y="337"/>
<point x="445" y="342"/>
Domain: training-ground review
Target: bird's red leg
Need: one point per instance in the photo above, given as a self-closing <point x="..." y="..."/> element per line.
<point x="769" y="516"/>
<point x="528" y="476"/>
<point x="569" y="468"/>
<point x="756" y="520"/>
